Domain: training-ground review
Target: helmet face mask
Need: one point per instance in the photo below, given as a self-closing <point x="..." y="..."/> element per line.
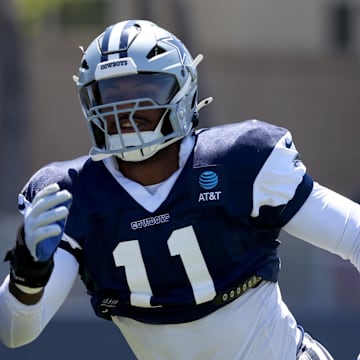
<point x="138" y="91"/>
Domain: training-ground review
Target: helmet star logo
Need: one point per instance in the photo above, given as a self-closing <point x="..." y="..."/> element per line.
<point x="179" y="47"/>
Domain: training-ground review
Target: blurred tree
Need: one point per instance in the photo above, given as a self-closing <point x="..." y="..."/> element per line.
<point x="32" y="12"/>
<point x="12" y="107"/>
<point x="63" y="13"/>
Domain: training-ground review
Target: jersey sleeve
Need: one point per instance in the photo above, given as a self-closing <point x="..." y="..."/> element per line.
<point x="282" y="184"/>
<point x="49" y="174"/>
<point x="329" y="221"/>
<point x="21" y="324"/>
<point x="62" y="172"/>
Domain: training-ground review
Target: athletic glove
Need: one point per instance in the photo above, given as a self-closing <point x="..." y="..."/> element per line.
<point x="38" y="238"/>
<point x="44" y="221"/>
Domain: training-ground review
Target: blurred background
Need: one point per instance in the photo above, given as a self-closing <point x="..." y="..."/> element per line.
<point x="293" y="63"/>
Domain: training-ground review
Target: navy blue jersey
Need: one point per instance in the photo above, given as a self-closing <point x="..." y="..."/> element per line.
<point x="206" y="237"/>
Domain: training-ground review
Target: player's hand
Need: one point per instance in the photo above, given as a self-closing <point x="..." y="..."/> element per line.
<point x="44" y="221"/>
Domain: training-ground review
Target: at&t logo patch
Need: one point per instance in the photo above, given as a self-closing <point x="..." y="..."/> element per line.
<point x="208" y="180"/>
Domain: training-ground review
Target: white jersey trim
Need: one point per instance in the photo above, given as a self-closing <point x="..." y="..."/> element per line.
<point x="279" y="177"/>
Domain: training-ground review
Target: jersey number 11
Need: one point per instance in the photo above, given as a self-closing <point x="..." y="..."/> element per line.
<point x="181" y="242"/>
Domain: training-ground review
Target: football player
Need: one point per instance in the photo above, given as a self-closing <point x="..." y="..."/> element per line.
<point x="174" y="231"/>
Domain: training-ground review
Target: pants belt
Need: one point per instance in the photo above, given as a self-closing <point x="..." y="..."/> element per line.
<point x="237" y="290"/>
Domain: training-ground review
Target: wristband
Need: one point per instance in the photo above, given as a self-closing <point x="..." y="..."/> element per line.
<point x="24" y="270"/>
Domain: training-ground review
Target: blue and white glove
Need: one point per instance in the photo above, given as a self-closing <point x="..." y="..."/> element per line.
<point x="44" y="221"/>
<point x="31" y="259"/>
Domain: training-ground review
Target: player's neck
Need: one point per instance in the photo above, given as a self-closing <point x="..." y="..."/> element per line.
<point x="154" y="170"/>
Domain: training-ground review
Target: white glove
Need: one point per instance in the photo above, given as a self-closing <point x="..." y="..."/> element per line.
<point x="44" y="221"/>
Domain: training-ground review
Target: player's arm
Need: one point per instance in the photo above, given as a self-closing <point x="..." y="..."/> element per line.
<point x="20" y="323"/>
<point x="329" y="221"/>
<point x="281" y="186"/>
<point x="32" y="265"/>
<point x="303" y="208"/>
<point x="31" y="258"/>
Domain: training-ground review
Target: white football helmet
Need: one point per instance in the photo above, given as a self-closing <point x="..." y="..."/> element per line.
<point x="149" y="68"/>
